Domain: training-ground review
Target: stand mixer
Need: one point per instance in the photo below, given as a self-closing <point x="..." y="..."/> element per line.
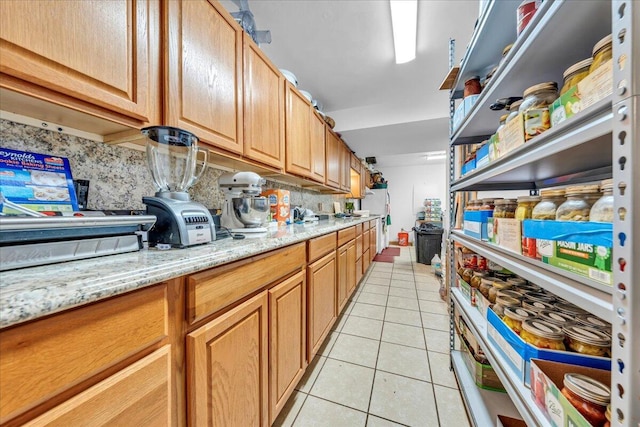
<point x="172" y="156"/>
<point x="244" y="210"/>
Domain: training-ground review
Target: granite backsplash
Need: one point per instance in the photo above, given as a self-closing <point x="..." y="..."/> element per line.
<point x="119" y="177"/>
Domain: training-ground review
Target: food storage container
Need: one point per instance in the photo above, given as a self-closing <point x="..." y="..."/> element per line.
<point x="588" y="396"/>
<point x="505" y="208"/>
<point x="502" y="122"/>
<point x="593" y="321"/>
<point x="546" y="208"/>
<point x="473" y="205"/>
<point x="607" y="415"/>
<point x="513" y="110"/>
<point x="510" y="292"/>
<point x="467" y="273"/>
<point x="516" y="281"/>
<point x="535" y="108"/>
<point x="602" y="210"/>
<point x="574" y="74"/>
<point x="472" y="86"/>
<point x="476" y="278"/>
<point x="540" y="296"/>
<point x="488" y="204"/>
<point x="525" y="206"/>
<point x="502" y="302"/>
<point x="586" y="340"/>
<point x="577" y="206"/>
<point x="569" y="308"/>
<point x="542" y="334"/>
<point x="555" y="317"/>
<point x="602" y="52"/>
<point x="497" y="285"/>
<point x="525" y="12"/>
<point x="536" y="306"/>
<point x="485" y="285"/>
<point x="513" y="317"/>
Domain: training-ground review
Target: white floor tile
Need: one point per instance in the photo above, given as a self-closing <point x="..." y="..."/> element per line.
<point x="375" y="280"/>
<point x="318" y="412"/>
<point x="402" y="284"/>
<point x="435" y="307"/>
<point x="404" y="335"/>
<point x="344" y="383"/>
<point x="435" y="321"/>
<point x="327" y="345"/>
<point x="291" y="409"/>
<point x="403" y="316"/>
<point x="376" y="299"/>
<point x="405" y="303"/>
<point x="310" y="375"/>
<point x="402" y="292"/>
<point x="451" y="411"/>
<point x="368" y="310"/>
<point x="440" y="370"/>
<point x="373" y="421"/>
<point x="437" y="340"/>
<point x="375" y="289"/>
<point x="363" y="327"/>
<point x="430" y="296"/>
<point x="358" y="350"/>
<point x="401" y="360"/>
<point x="403" y="276"/>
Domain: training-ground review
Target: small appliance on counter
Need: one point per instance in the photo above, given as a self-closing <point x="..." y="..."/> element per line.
<point x="244" y="210"/>
<point x="172" y="156"/>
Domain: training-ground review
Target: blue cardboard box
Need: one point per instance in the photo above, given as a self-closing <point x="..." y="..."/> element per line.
<point x="468" y="167"/>
<point x="475" y="224"/>
<point x="518" y="353"/>
<point x="482" y="156"/>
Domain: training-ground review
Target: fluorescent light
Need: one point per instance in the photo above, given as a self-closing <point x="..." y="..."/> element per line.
<point x="404" y="19"/>
<point x="437" y="157"/>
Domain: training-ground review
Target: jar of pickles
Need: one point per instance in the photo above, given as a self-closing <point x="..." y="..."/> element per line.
<point x="574" y="74"/>
<point x="497" y="285"/>
<point x="525" y="206"/>
<point x="577" y="206"/>
<point x="476" y="278"/>
<point x="513" y="317"/>
<point x="588" y="396"/>
<point x="535" y="108"/>
<point x="602" y="210"/>
<point x="513" y="110"/>
<point x="602" y="52"/>
<point x="586" y="340"/>
<point x="542" y="334"/>
<point x="503" y="302"/>
<point x="592" y="321"/>
<point x="505" y="208"/>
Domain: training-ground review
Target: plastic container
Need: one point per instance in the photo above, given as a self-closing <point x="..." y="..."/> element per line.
<point x="428" y="242"/>
<point x="505" y="208"/>
<point x="574" y="74"/>
<point x="535" y="108"/>
<point x="403" y="238"/>
<point x="588" y="396"/>
<point x="602" y="52"/>
<point x="602" y="210"/>
<point x="576" y="207"/>
<point x="525" y="12"/>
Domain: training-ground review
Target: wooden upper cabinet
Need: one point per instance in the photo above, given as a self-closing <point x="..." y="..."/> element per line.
<point x="101" y="53"/>
<point x="345" y="167"/>
<point x="298" y="126"/>
<point x="263" y="107"/>
<point x="203" y="92"/>
<point x="318" y="147"/>
<point x="335" y="153"/>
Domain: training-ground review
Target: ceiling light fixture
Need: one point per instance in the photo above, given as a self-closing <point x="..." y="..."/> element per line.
<point x="437" y="157"/>
<point x="404" y="20"/>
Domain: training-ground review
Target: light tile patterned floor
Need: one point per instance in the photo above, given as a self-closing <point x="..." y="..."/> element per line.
<point x="386" y="362"/>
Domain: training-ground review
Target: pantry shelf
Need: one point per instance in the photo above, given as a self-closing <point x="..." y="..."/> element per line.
<point x="519" y="393"/>
<point x="585" y="293"/>
<point x="577" y="150"/>
<point x="548" y="46"/>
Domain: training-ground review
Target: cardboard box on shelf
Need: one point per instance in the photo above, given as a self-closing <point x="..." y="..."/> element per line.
<point x="504" y="421"/>
<point x="475" y="224"/>
<point x="280" y="205"/>
<point x="506" y="233"/>
<point x="546" y="386"/>
<point x="482" y="155"/>
<point x="484" y="375"/>
<point x="468" y="167"/>
<point x="494" y="147"/>
<point x="511" y="135"/>
<point x="519" y="353"/>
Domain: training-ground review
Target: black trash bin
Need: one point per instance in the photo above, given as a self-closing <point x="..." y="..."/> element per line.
<point x="428" y="241"/>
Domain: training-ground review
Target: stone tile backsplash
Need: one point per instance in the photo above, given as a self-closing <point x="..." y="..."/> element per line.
<point x="118" y="175"/>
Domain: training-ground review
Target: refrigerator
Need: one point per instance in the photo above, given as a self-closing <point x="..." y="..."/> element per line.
<point x="377" y="202"/>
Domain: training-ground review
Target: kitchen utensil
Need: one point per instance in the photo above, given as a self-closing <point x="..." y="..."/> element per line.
<point x="6" y="202"/>
<point x="244" y="210"/>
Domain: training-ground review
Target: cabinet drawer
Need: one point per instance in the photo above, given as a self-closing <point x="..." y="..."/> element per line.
<point x="365" y="226"/>
<point x="137" y="396"/>
<point x="214" y="289"/>
<point x="46" y="357"/>
<point x="346" y="235"/>
<point x="358" y="229"/>
<point x="321" y="246"/>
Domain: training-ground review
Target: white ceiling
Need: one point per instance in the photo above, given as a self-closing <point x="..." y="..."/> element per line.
<point x="342" y="52"/>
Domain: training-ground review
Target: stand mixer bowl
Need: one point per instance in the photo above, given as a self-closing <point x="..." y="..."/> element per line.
<point x="172" y="156"/>
<point x="251" y="211"/>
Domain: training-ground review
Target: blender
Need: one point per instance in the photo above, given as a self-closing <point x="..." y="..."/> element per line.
<point x="244" y="210"/>
<point x="172" y="157"/>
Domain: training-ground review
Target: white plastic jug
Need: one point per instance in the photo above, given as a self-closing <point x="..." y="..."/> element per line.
<point x="436" y="263"/>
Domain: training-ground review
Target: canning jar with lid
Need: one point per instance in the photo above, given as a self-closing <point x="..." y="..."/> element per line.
<point x="542" y="334"/>
<point x="485" y="285"/>
<point x="607" y="415"/>
<point x="502" y="302"/>
<point x="510" y="292"/>
<point x="516" y="281"/>
<point x="588" y="396"/>
<point x="525" y="206"/>
<point x="502" y="122"/>
<point x="593" y="321"/>
<point x="505" y="208"/>
<point x="577" y="206"/>
<point x="496" y="286"/>
<point x="536" y="306"/>
<point x="513" y="317"/>
<point x="476" y="278"/>
<point x="574" y="74"/>
<point x="546" y="208"/>
<point x="586" y="340"/>
<point x="555" y="317"/>
<point x="535" y="108"/>
<point x="473" y="205"/>
<point x="602" y="52"/>
<point x="602" y="210"/>
<point x="472" y="86"/>
<point x="467" y="274"/>
<point x="513" y="110"/>
<point x="540" y="296"/>
<point x="568" y="308"/>
<point x="488" y="204"/>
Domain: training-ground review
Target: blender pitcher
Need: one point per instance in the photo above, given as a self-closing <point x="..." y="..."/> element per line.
<point x="172" y="156"/>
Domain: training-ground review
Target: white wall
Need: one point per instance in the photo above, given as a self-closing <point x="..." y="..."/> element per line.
<point x="408" y="187"/>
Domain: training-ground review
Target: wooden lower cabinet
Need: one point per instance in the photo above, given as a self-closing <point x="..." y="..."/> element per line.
<point x="366" y="261"/>
<point x="227" y="369"/>
<point x="139" y="395"/>
<point x="287" y="346"/>
<point x="343" y="286"/>
<point x="351" y="268"/>
<point x="321" y="301"/>
<point x="372" y="243"/>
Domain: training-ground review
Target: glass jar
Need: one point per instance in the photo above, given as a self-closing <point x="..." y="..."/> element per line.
<point x="592" y="321"/>
<point x="488" y="204"/>
<point x="576" y="207"/>
<point x="513" y="317"/>
<point x="485" y="285"/>
<point x="530" y="287"/>
<point x="516" y="281"/>
<point x="502" y="275"/>
<point x="510" y="292"/>
<point x="477" y="278"/>
<point x="586" y="340"/>
<point x="525" y="206"/>
<point x="535" y="108"/>
<point x="496" y="286"/>
<point x="540" y="296"/>
<point x="574" y="74"/>
<point x="536" y="306"/>
<point x="502" y="122"/>
<point x="473" y="205"/>
<point x="607" y="415"/>
<point x="513" y="110"/>
<point x="467" y="273"/>
<point x="503" y="302"/>
<point x="547" y="206"/>
<point x="588" y="396"/>
<point x="472" y="86"/>
<point x="555" y="317"/>
<point x="601" y="53"/>
<point x="568" y="308"/>
<point x="505" y="208"/>
<point x="542" y="334"/>
<point x="602" y="210"/>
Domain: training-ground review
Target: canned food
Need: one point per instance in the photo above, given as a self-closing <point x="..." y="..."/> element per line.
<point x="525" y="12"/>
<point x="505" y="301"/>
<point x="575" y="74"/>
<point x="535" y="108"/>
<point x="586" y="340"/>
<point x="588" y="396"/>
<point x="505" y="208"/>
<point x="513" y="317"/>
<point x="542" y="334"/>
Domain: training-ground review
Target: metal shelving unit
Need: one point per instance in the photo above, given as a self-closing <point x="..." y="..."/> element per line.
<point x="598" y="143"/>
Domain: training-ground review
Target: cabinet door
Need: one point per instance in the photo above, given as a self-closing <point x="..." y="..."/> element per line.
<point x="363" y="180"/>
<point x="345" y="167"/>
<point x="366" y="240"/>
<point x="318" y="147"/>
<point x="333" y="161"/>
<point x="359" y="273"/>
<point x="351" y="268"/>
<point x="298" y="124"/>
<point x="138" y="395"/>
<point x="204" y="71"/>
<point x="105" y="53"/>
<point x="366" y="261"/>
<point x="263" y="108"/>
<point x="373" y="235"/>
<point x="343" y="267"/>
<point x="321" y="306"/>
<point x="288" y="351"/>
<point x="227" y="368"/>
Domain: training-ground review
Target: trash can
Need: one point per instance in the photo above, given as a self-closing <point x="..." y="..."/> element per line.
<point x="428" y="241"/>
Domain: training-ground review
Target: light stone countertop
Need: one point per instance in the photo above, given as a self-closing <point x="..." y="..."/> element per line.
<point x="29" y="293"/>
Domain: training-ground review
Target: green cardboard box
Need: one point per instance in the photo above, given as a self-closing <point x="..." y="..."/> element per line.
<point x="584" y="259"/>
<point x="484" y="375"/>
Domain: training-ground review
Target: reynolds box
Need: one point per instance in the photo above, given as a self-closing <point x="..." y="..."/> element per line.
<point x="39" y="182"/>
<point x="280" y="205"/>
